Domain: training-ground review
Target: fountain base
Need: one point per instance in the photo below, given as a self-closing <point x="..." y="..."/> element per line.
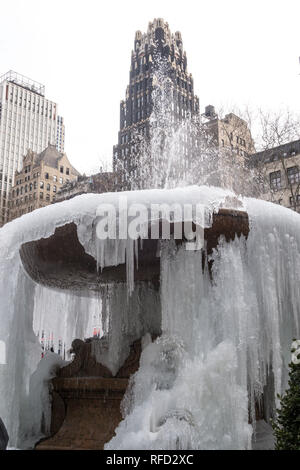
<point x="86" y="400"/>
<point x="92" y="412"/>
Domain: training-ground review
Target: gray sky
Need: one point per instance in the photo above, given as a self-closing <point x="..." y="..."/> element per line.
<point x="239" y="52"/>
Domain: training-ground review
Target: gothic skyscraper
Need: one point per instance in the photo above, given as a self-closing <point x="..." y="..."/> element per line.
<point x="151" y="49"/>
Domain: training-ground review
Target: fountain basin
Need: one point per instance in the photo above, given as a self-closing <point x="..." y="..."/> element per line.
<point x="60" y="261"/>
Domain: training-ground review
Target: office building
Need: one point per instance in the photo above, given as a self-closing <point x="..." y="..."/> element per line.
<point x="28" y="120"/>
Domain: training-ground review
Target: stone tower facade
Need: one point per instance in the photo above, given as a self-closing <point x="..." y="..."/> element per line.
<point x="152" y="48"/>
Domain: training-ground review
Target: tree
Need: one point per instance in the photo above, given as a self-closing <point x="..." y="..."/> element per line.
<point x="286" y="425"/>
<point x="277" y="128"/>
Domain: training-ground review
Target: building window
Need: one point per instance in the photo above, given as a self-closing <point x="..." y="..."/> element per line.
<point x="61" y="169"/>
<point x="275" y="179"/>
<point x="46" y="176"/>
<point x="54" y="178"/>
<point x="48" y="187"/>
<point x="54" y="189"/>
<point x="61" y="180"/>
<point x="297" y="198"/>
<point x="67" y="171"/>
<point x="41" y="184"/>
<point x="293" y="174"/>
<point x="41" y="195"/>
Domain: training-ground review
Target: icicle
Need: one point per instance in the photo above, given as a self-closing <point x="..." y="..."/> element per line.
<point x="130" y="248"/>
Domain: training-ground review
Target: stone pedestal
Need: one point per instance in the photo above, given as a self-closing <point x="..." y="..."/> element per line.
<point x="92" y="407"/>
<point x="86" y="400"/>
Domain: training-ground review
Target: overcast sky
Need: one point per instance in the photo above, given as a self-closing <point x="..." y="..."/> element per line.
<point x="239" y="52"/>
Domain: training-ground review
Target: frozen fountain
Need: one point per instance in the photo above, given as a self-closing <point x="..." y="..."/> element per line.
<point x="86" y="396"/>
<point x="194" y="341"/>
<point x="213" y="326"/>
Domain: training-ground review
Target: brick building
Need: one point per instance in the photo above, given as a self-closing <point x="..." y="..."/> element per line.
<point x="230" y="132"/>
<point x="37" y="184"/>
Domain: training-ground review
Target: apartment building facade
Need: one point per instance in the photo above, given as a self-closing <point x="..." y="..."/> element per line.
<point x="37" y="183"/>
<point x="279" y="170"/>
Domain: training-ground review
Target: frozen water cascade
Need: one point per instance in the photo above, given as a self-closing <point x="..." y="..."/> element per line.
<point x="224" y="336"/>
<point x="220" y="338"/>
<point x="59" y="317"/>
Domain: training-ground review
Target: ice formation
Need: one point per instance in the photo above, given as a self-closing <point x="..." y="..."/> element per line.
<point x="222" y="339"/>
<point x="224" y="342"/>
